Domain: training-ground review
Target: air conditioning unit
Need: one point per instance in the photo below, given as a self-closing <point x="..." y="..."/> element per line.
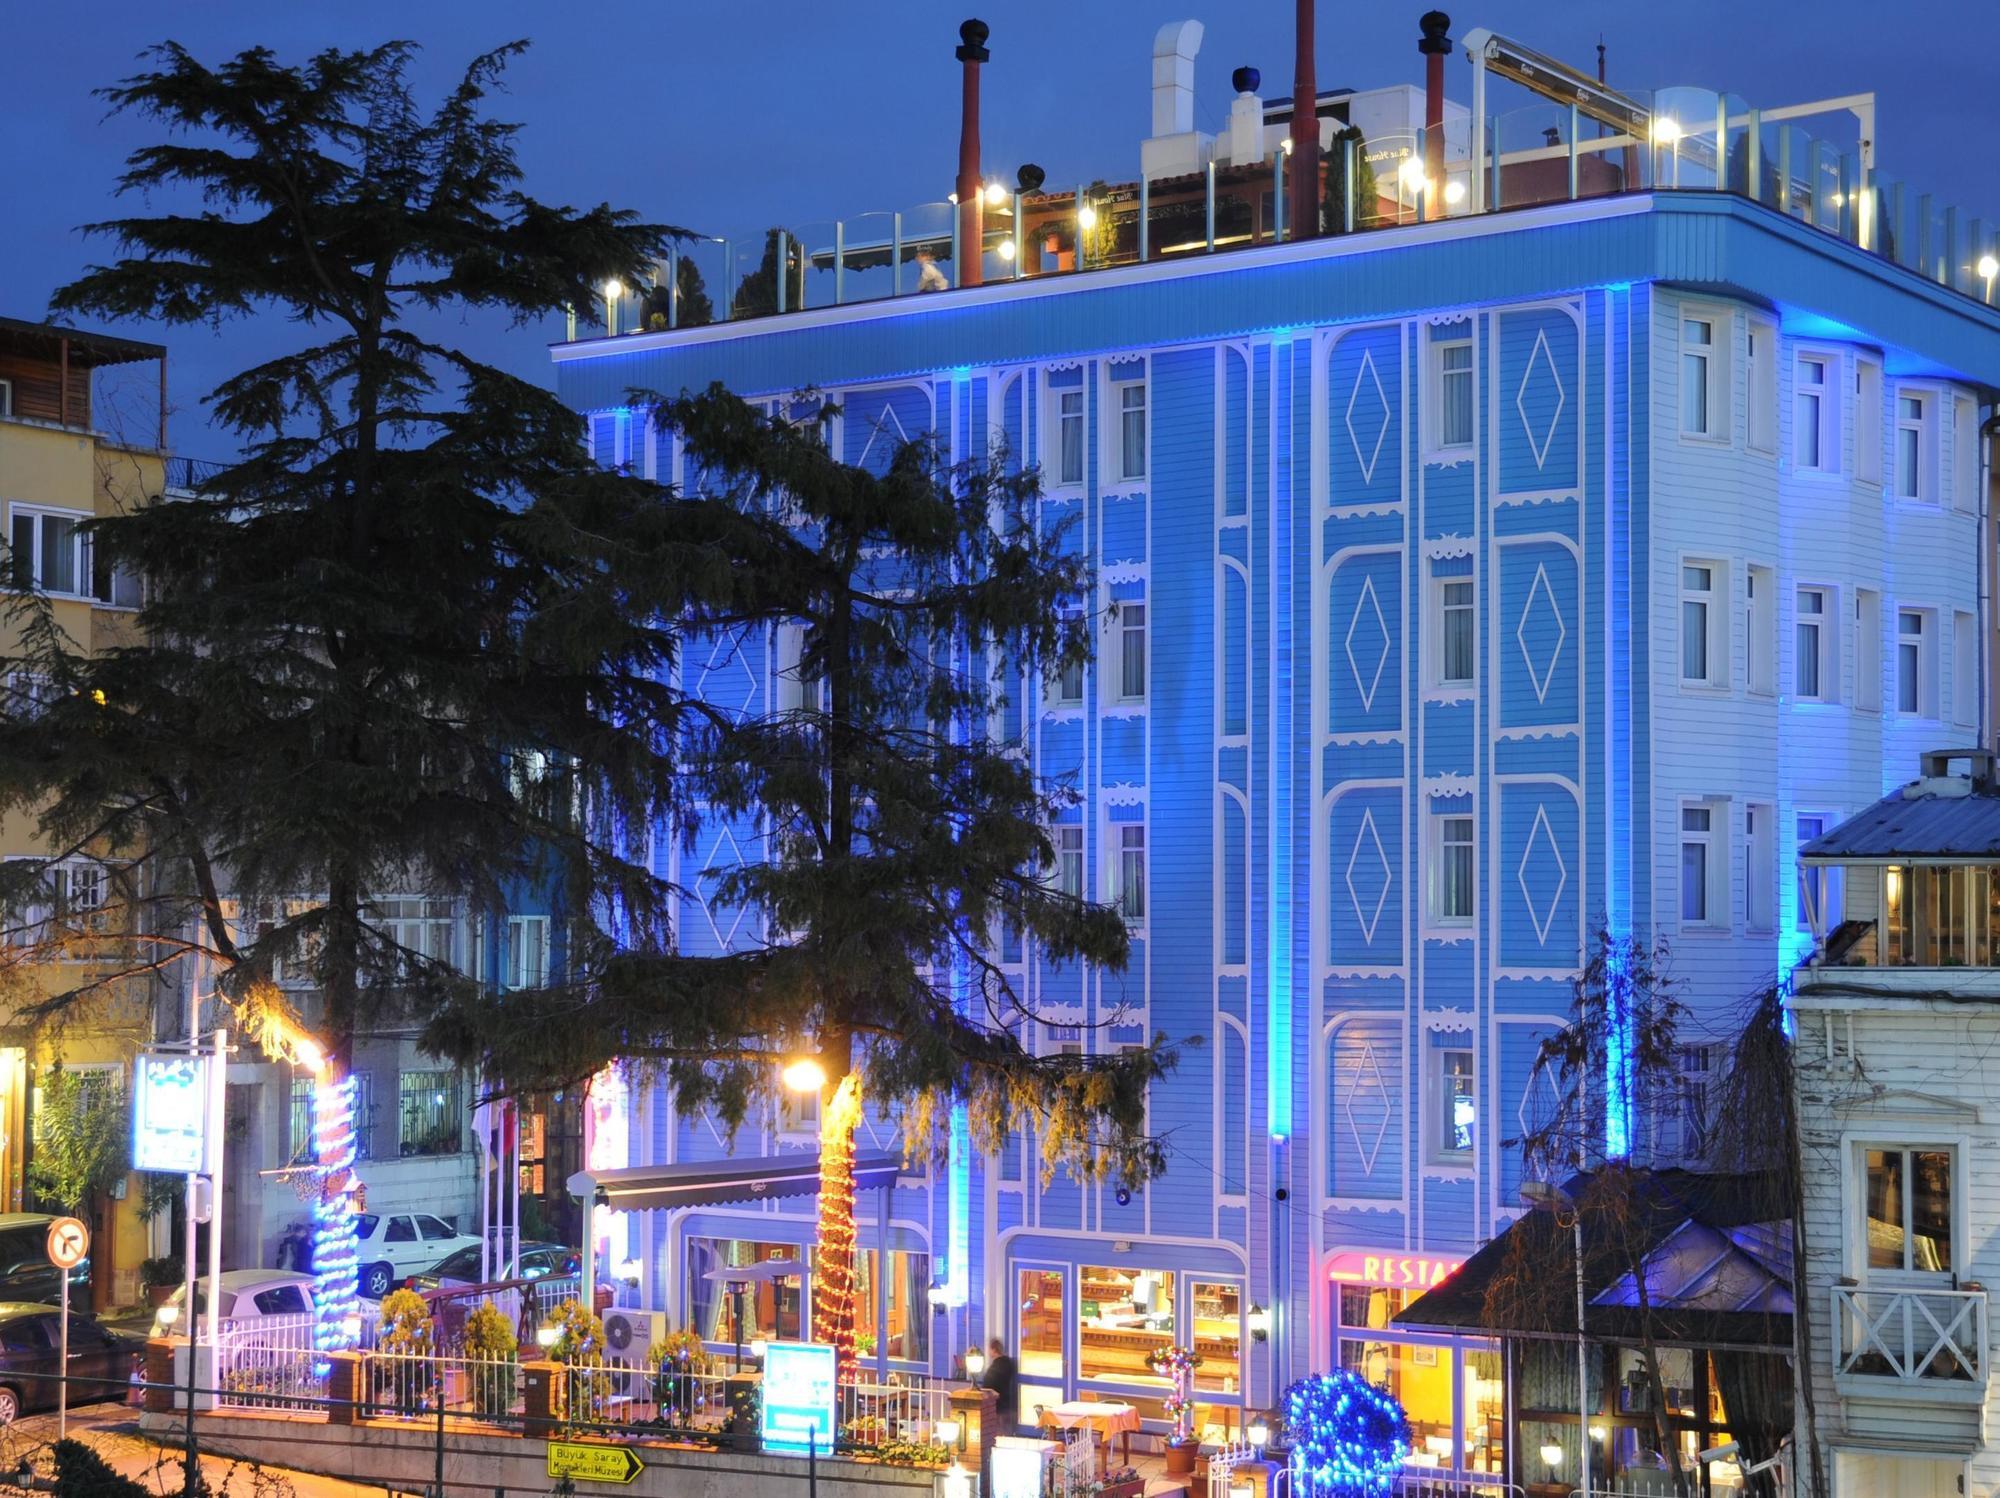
<point x="628" y="1333"/>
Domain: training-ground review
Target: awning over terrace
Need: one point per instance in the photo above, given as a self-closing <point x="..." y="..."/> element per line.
<point x="651" y="1188"/>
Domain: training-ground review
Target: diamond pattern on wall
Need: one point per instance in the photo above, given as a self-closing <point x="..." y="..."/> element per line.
<point x="888" y="428"/>
<point x="727" y="681"/>
<point x="723" y="856"/>
<point x="1542" y="852"/>
<point x="1536" y="615"/>
<point x="1368" y="876"/>
<point x="1540" y="355"/>
<point x="1367" y="643"/>
<point x="1371" y="1089"/>
<point x="1367" y="413"/>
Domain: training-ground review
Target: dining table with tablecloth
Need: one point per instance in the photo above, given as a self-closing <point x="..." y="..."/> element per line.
<point x="1101" y="1418"/>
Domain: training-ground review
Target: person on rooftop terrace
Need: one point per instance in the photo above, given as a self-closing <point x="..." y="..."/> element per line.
<point x="929" y="277"/>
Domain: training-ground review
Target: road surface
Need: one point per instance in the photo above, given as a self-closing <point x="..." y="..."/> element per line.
<point x="112" y="1430"/>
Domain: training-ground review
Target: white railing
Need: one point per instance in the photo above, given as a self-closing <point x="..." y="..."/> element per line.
<point x="1910" y="1333"/>
<point x="621" y="1392"/>
<point x="269" y="1363"/>
<point x="409" y="1386"/>
<point x="1222" y="1465"/>
<point x="913" y="1411"/>
<point x="1411" y="1482"/>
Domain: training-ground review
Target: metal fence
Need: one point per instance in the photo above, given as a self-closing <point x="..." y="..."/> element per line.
<point x="268" y="1363"/>
<point x="1411" y="1482"/>
<point x="413" y="1386"/>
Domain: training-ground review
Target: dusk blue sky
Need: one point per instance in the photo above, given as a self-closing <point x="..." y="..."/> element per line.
<point x="729" y="117"/>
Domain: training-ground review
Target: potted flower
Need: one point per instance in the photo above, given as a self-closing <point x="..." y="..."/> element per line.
<point x="579" y="1347"/>
<point x="1177" y="1364"/>
<point x="491" y="1350"/>
<point x="161" y="1277"/>
<point x="404" y="1348"/>
<point x="677" y="1360"/>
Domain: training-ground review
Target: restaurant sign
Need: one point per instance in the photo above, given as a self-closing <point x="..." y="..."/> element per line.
<point x="1371" y="1266"/>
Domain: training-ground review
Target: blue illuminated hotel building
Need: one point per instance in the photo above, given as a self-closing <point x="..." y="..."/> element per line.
<point x="1485" y="579"/>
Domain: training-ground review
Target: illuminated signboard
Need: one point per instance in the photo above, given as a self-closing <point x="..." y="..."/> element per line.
<point x="798" y="1396"/>
<point x="1373" y="1267"/>
<point x="169" y="1102"/>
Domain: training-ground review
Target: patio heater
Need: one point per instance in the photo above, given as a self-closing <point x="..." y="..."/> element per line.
<point x="737" y="1288"/>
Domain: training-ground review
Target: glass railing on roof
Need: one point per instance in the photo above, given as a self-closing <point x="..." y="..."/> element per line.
<point x="1692" y="140"/>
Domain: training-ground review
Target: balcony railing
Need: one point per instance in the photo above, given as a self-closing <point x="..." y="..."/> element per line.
<point x="1927" y="1338"/>
<point x="1683" y="139"/>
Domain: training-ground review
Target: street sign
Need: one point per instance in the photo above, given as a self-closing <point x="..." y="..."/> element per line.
<point x="798" y="1396"/>
<point x="574" y="1459"/>
<point x="169" y="1126"/>
<point x="69" y="1241"/>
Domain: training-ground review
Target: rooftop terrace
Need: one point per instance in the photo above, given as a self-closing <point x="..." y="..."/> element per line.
<point x="1196" y="194"/>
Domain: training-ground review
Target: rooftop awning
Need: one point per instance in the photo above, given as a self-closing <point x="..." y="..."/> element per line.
<point x="1718" y="1270"/>
<point x="651" y="1188"/>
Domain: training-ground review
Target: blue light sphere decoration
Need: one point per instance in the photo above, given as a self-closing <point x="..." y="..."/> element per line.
<point x="1349" y="1438"/>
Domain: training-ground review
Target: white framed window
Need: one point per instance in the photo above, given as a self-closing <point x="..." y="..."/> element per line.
<point x="29" y="695"/>
<point x="1454" y="1103"/>
<point x="1451" y="392"/>
<point x="1695" y="1068"/>
<point x="1815" y="448"/>
<point x="1916" y="446"/>
<point x="1815" y="646"/>
<point x="424" y="929"/>
<point x="1911" y="1216"/>
<point x="50" y="554"/>
<point x="1964" y="669"/>
<point x="1131" y="428"/>
<point x="1128" y="870"/>
<point x="1704" y="864"/>
<point x="1702" y="413"/>
<point x="1065" y="683"/>
<point x="1868" y="420"/>
<point x="6" y="398"/>
<point x="1066" y="418"/>
<point x="1069" y="859"/>
<point x="1964" y="454"/>
<point x="1868" y="650"/>
<point x="1916" y="663"/>
<point x="1452" y="869"/>
<point x="793" y="690"/>
<point x="1760" y="630"/>
<point x="1453" y="622"/>
<point x="1819" y="888"/>
<point x="1763" y="433"/>
<point x="1704" y="630"/>
<point x="1131" y="629"/>
<point x="526" y="963"/>
<point x="1760" y="867"/>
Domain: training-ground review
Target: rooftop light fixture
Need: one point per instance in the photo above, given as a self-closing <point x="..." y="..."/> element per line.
<point x="1988" y="267"/>
<point x="1086" y="218"/>
<point x="1288" y="145"/>
<point x="1454" y="192"/>
<point x="1666" y="130"/>
<point x="1006" y="249"/>
<point x="995" y="195"/>
<point x="613" y="289"/>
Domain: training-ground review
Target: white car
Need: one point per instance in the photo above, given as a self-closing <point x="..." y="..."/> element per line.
<point x="247" y="1295"/>
<point x="395" y="1245"/>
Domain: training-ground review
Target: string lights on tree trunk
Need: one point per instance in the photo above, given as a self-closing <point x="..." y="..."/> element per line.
<point x="833" y="1267"/>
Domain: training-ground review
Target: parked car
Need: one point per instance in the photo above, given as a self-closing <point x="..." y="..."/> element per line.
<point x="247" y="1294"/>
<point x="536" y="1261"/>
<point x="395" y="1245"/>
<point x="26" y="1275"/>
<point x="100" y="1359"/>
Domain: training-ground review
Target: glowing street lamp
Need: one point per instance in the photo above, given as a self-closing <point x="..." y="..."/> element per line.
<point x="804" y="1074"/>
<point x="613" y="289"/>
<point x="1988" y="268"/>
<point x="1667" y="132"/>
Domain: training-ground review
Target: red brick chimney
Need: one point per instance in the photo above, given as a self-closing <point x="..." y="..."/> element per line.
<point x="1435" y="46"/>
<point x="1302" y="194"/>
<point x="971" y="211"/>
